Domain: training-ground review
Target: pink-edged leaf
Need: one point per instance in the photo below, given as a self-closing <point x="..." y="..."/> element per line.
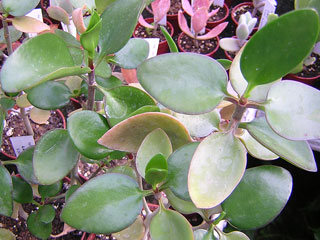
<point x="144" y="23"/>
<point x="200" y="4"/>
<point x="187" y="7"/>
<point x="213" y="12"/>
<point x="160" y="9"/>
<point x="214" y="32"/>
<point x="77" y="17"/>
<point x="199" y="19"/>
<point x="184" y="25"/>
<point x="58" y="14"/>
<point x="29" y="25"/>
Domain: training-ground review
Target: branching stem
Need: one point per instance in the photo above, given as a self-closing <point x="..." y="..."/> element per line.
<point x="91" y="87"/>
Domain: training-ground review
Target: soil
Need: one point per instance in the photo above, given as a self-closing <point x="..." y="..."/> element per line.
<point x="205" y="46"/>
<point x="142" y="32"/>
<point x="246" y="8"/>
<point x="312" y="70"/>
<point x="15" y="127"/>
<point x="175" y="6"/>
<point x="219" y="15"/>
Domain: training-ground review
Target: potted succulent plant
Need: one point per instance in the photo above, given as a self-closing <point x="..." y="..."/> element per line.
<point x="220" y="16"/>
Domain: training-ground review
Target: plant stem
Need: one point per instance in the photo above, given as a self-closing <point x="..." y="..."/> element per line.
<point x="26" y="121"/>
<point x="74" y="174"/>
<point x="8" y="162"/>
<point x="51" y="199"/>
<point x="155" y="28"/>
<point x="96" y="172"/>
<point x="236" y="117"/>
<point x="7" y="36"/>
<point x="91" y="87"/>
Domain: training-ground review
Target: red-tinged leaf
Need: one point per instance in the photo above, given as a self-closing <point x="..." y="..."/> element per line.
<point x="77" y="18"/>
<point x="59" y="14"/>
<point x="29" y="25"/>
<point x="200" y="4"/>
<point x="160" y="9"/>
<point x="214" y="32"/>
<point x="184" y="25"/>
<point x="144" y="23"/>
<point x="213" y="12"/>
<point x="187" y="7"/>
<point x="199" y="19"/>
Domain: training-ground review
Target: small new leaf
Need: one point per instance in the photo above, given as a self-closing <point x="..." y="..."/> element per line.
<point x="156" y="170"/>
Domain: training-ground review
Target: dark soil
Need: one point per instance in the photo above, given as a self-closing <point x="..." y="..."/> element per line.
<point x="142" y="32"/>
<point x="219" y="15"/>
<point x="312" y="70"/>
<point x="205" y="46"/>
<point x="15" y="127"/>
<point x="175" y="6"/>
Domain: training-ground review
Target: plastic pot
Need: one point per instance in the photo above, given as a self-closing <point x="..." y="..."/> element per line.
<point x="234" y="10"/>
<point x="215" y="23"/>
<point x="311" y="81"/>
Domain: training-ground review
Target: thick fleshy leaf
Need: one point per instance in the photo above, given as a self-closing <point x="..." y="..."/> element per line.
<point x="183" y="25"/>
<point x="200" y="125"/>
<point x="54" y="156"/>
<point x="13" y="32"/>
<point x="168" y="223"/>
<point x="118" y="22"/>
<point x="6" y="203"/>
<point x="187" y="7"/>
<point x="199" y="19"/>
<point x="85" y="128"/>
<point x="19" y="7"/>
<point x="202" y="234"/>
<point x="134" y="232"/>
<point x="216" y="169"/>
<point x="128" y="135"/>
<point x="70" y="191"/>
<point x="70" y="40"/>
<point x="144" y="23"/>
<point x="156" y="170"/>
<point x="50" y="190"/>
<point x="25" y="167"/>
<point x="132" y="54"/>
<point x="22" y="191"/>
<point x="46" y="213"/>
<point x="59" y="14"/>
<point x="256" y="149"/>
<point x="184" y="82"/>
<point x="39" y="116"/>
<point x="22" y="101"/>
<point x="121" y="101"/>
<point x="103" y="70"/>
<point x="37" y="228"/>
<point x="160" y="9"/>
<point x="40" y="59"/>
<point x="126" y="170"/>
<point x="234" y="236"/>
<point x="297" y="153"/>
<point x="101" y="5"/>
<point x="229" y="44"/>
<point x="284" y="46"/>
<point x="154" y="143"/>
<point x="178" y="168"/>
<point x="109" y="203"/>
<point x="171" y="43"/>
<point x="260" y="197"/>
<point x="29" y="25"/>
<point x="214" y="32"/>
<point x="144" y="109"/>
<point x="6" y="234"/>
<point x="80" y="3"/>
<point x="77" y="17"/>
<point x="292" y="110"/>
<point x="49" y="95"/>
<point x="111" y="82"/>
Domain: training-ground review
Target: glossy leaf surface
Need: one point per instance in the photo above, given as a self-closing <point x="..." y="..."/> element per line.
<point x="284" y="46"/>
<point x="70" y="40"/>
<point x="22" y="191"/>
<point x="46" y="213"/>
<point x="128" y="135"/>
<point x="156" y="142"/>
<point x="85" y="128"/>
<point x="50" y="190"/>
<point x="168" y="223"/>
<point x="297" y="153"/>
<point x="234" y="236"/>
<point x="40" y="59"/>
<point x="215" y="170"/>
<point x="54" y="156"/>
<point x="109" y="203"/>
<point x="133" y="232"/>
<point x="25" y="167"/>
<point x="121" y="101"/>
<point x="19" y="7"/>
<point x="37" y="228"/>
<point x="178" y="168"/>
<point x="118" y="22"/>
<point x="6" y="234"/>
<point x="184" y="82"/>
<point x="292" y="110"/>
<point x="50" y="95"/>
<point x="156" y="170"/>
<point x="132" y="54"/>
<point x="259" y="198"/>
<point x="6" y="203"/>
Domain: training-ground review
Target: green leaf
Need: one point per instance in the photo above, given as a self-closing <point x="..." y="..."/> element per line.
<point x="79" y="3"/>
<point x="145" y="109"/>
<point x="85" y="128"/>
<point x="111" y="82"/>
<point x="292" y="110"/>
<point x="178" y="168"/>
<point x="46" y="213"/>
<point x="133" y="232"/>
<point x="13" y="32"/>
<point x="50" y="95"/>
<point x="126" y="170"/>
<point x="202" y="234"/>
<point x="50" y="190"/>
<point x="234" y="236"/>
<point x="156" y="142"/>
<point x="215" y="169"/>
<point x="54" y="156"/>
<point x="6" y="234"/>
<point x="297" y="153"/>
<point x="156" y="170"/>
<point x="69" y="40"/>
<point x="42" y="58"/>
<point x="172" y="45"/>
<point x="109" y="203"/>
<point x="226" y="63"/>
<point x="19" y="7"/>
<point x="25" y="167"/>
<point x="90" y="38"/>
<point x="121" y="101"/>
<point x="184" y="82"/>
<point x="103" y="70"/>
<point x="38" y="228"/>
<point x="6" y="203"/>
<point x="101" y="5"/>
<point x="128" y="135"/>
<point x="70" y="191"/>
<point x="6" y="103"/>
<point x="22" y="191"/>
<point x="279" y="47"/>
<point x="118" y="22"/>
<point x="168" y="223"/>
<point x="260" y="197"/>
<point x="132" y="54"/>
<point x="200" y="125"/>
